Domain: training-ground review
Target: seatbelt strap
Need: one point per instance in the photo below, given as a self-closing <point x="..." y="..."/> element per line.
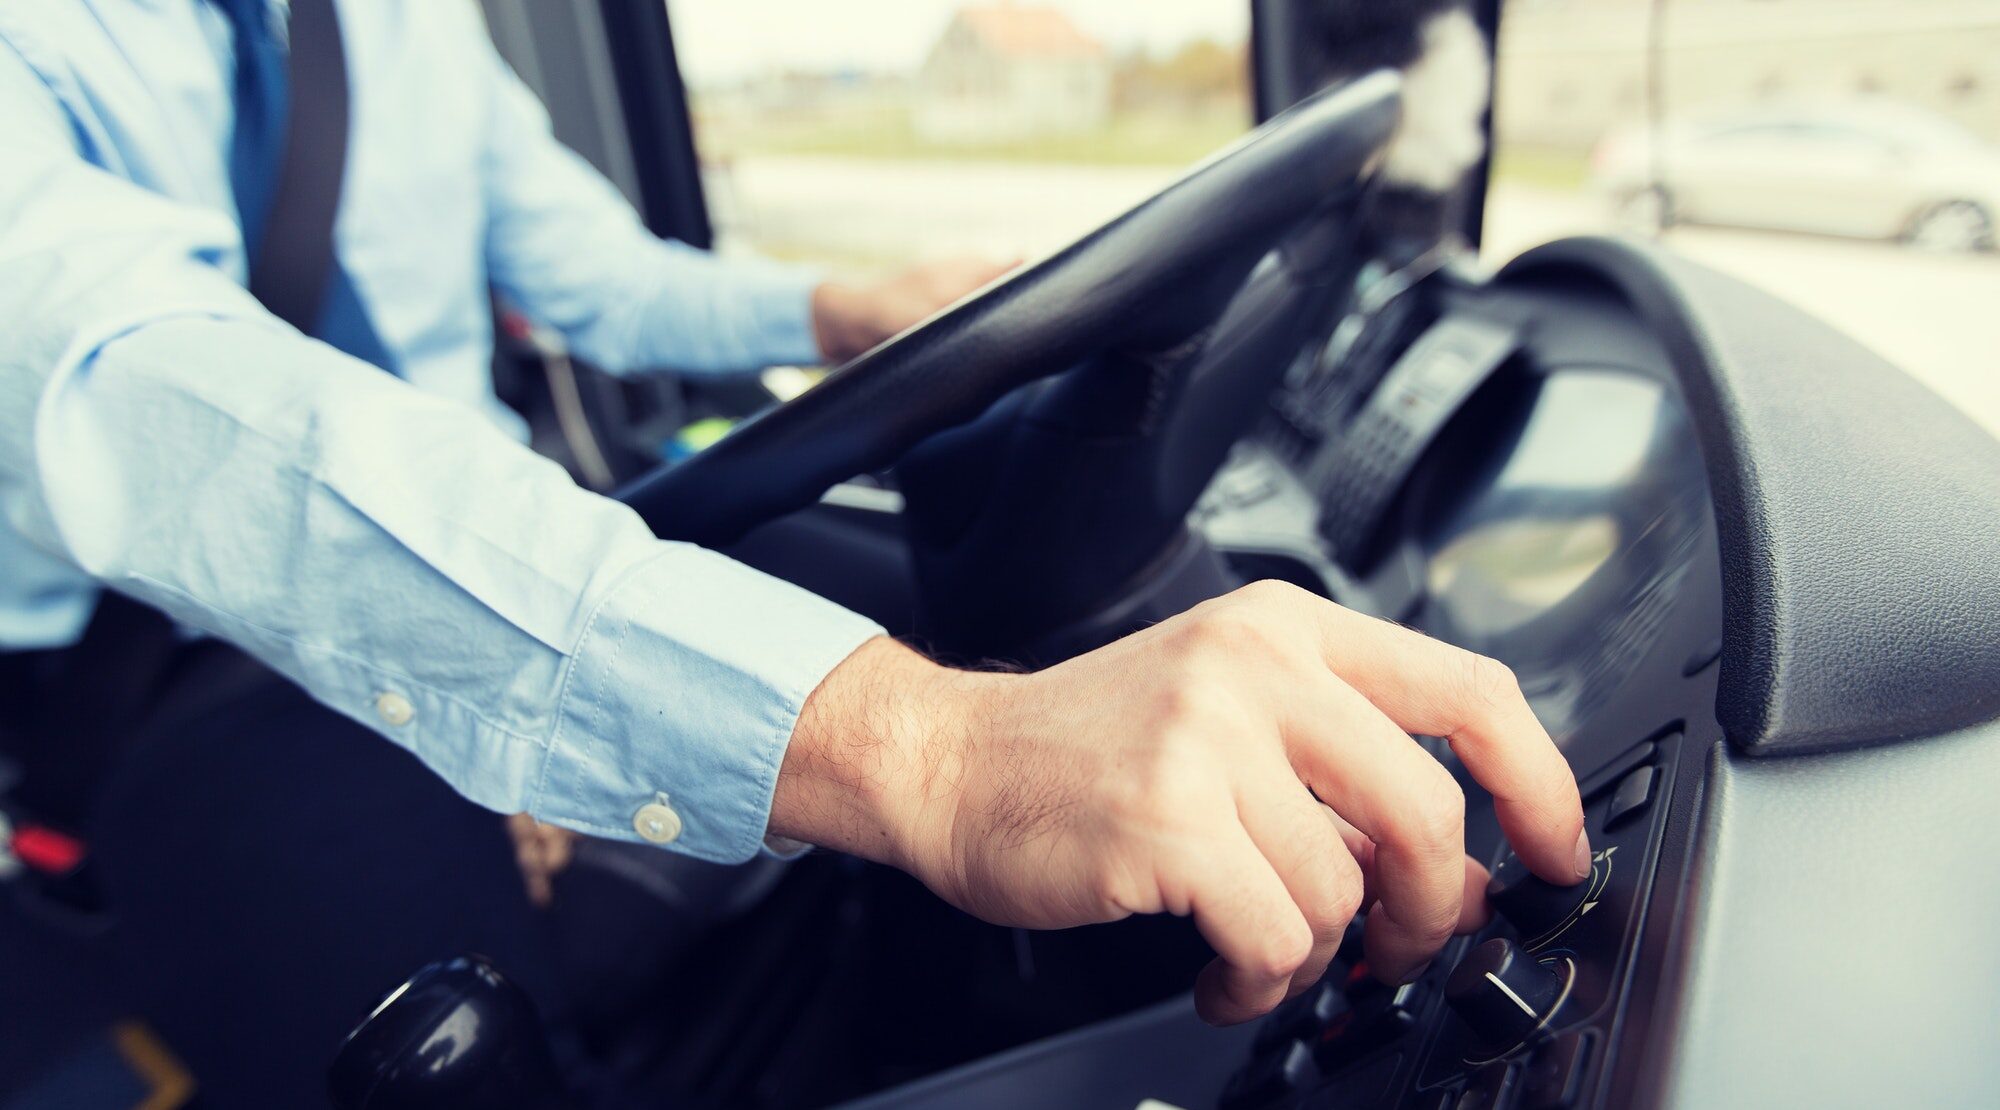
<point x="287" y="164"/>
<point x="294" y="260"/>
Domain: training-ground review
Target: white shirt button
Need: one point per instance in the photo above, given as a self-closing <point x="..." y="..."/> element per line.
<point x="394" y="709"/>
<point x="656" y="822"/>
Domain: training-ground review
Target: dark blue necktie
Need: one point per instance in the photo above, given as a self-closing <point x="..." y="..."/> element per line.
<point x="262" y="108"/>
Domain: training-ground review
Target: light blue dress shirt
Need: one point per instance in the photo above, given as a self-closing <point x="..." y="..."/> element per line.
<point x="385" y="541"/>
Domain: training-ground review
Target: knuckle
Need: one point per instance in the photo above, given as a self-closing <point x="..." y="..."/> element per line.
<point x="1436" y="815"/>
<point x="1281" y="952"/>
<point x="1183" y="703"/>
<point x="1435" y="924"/>
<point x="1230" y="632"/>
<point x="1486" y="683"/>
<point x="1556" y="793"/>
<point x="1271" y="591"/>
<point x="1347" y="900"/>
<point x="1330" y="916"/>
<point x="1183" y="721"/>
<point x="1117" y="887"/>
<point x="1165" y="786"/>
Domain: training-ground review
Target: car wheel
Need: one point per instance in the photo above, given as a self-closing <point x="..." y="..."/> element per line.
<point x="1648" y="210"/>
<point x="1954" y="226"/>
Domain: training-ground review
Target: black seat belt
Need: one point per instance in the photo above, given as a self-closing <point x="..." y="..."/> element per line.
<point x="295" y="257"/>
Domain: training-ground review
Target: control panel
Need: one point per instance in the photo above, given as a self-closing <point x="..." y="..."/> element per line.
<point x="1519" y="1016"/>
<point x="1560" y="520"/>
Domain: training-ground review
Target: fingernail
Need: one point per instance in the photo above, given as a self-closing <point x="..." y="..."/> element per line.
<point x="1415" y="973"/>
<point x="1582" y="866"/>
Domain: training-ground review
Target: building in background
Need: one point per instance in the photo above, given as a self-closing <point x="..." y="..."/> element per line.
<point x="1010" y="72"/>
<point x="1574" y="69"/>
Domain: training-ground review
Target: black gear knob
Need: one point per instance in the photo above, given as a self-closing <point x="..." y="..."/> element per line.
<point x="458" y="1034"/>
<point x="1539" y="909"/>
<point x="1502" y="993"/>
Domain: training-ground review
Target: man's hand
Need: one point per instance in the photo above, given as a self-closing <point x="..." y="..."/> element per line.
<point x="1248" y="762"/>
<point x="849" y="319"/>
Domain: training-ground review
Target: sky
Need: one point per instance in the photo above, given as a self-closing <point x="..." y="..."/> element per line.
<point x="723" y="40"/>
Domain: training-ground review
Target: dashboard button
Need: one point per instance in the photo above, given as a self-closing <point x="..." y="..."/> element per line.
<point x="1502" y="993"/>
<point x="1274" y="1075"/>
<point x="1350" y="941"/>
<point x="1493" y="1088"/>
<point x="1634" y="793"/>
<point x="1554" y="1079"/>
<point x="1376" y="1022"/>
<point x="1303" y="1016"/>
<point x="1537" y="908"/>
<point x="1628" y="759"/>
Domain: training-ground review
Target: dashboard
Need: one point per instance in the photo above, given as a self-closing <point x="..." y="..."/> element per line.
<point x="1536" y="494"/>
<point x="1749" y="574"/>
<point x="1519" y="477"/>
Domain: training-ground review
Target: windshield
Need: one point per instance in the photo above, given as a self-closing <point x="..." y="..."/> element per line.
<point x="1841" y="155"/>
<point x="862" y="134"/>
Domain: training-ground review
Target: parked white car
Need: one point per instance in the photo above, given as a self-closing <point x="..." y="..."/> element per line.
<point x="1865" y="168"/>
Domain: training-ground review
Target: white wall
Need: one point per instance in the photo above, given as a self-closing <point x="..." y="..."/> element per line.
<point x="1570" y="69"/>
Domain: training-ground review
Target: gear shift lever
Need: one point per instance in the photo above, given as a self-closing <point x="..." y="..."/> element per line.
<point x="457" y="1034"/>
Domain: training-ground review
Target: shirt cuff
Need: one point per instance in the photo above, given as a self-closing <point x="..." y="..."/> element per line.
<point x="686" y="683"/>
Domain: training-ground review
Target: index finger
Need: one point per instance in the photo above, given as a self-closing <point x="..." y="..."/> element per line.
<point x="1431" y="688"/>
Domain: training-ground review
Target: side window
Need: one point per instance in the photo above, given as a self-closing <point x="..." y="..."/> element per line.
<point x="866" y="133"/>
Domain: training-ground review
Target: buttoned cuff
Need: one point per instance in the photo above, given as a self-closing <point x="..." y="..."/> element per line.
<point x="680" y="699"/>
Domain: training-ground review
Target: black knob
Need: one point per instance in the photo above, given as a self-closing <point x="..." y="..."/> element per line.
<point x="1502" y="993"/>
<point x="1538" y="909"/>
<point x="458" y="1034"/>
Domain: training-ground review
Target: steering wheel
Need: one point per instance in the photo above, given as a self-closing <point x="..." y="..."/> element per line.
<point x="1146" y="281"/>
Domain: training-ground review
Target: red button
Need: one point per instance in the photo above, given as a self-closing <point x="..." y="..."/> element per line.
<point x="47" y="850"/>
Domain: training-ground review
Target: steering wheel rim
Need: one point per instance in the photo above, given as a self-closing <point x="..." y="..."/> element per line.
<point x="1144" y="281"/>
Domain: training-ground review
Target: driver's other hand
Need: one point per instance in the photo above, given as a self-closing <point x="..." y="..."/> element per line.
<point x="1248" y="762"/>
<point x="849" y="319"/>
<point x="541" y="851"/>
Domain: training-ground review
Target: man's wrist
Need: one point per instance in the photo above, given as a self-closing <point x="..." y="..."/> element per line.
<point x="840" y="321"/>
<point x="874" y="763"/>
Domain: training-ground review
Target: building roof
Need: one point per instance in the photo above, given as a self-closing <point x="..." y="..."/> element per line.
<point x="1020" y="31"/>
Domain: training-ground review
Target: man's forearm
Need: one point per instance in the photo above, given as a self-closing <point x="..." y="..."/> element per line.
<point x="412" y="567"/>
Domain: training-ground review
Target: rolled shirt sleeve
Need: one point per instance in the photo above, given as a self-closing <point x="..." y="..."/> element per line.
<point x="392" y="552"/>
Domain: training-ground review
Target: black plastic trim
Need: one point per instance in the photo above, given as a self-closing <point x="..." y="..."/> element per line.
<point x="1858" y="513"/>
<point x="1477" y="183"/>
<point x="1277" y="71"/>
<point x="641" y="39"/>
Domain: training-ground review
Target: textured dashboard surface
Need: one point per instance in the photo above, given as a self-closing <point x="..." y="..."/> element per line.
<point x="1840" y="946"/>
<point x="1859" y="514"/>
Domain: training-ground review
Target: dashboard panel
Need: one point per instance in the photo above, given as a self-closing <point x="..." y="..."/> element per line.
<point x="1578" y="468"/>
<point x="1554" y="513"/>
<point x="1540" y="498"/>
